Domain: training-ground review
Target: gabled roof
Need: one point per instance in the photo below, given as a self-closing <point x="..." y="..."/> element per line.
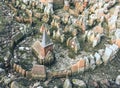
<point x="46" y="40"/>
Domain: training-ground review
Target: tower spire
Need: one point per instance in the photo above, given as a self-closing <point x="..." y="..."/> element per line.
<point x="45" y="40"/>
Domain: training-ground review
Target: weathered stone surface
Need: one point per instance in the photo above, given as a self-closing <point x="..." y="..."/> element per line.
<point x="67" y="84"/>
<point x="118" y="80"/>
<point x="79" y="83"/>
<point x="38" y="72"/>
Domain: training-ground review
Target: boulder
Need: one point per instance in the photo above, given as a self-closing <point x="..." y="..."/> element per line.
<point x="67" y="84"/>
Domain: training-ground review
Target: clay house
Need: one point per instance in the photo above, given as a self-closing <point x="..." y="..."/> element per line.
<point x="74" y="44"/>
<point x="45" y="27"/>
<point x="41" y="50"/>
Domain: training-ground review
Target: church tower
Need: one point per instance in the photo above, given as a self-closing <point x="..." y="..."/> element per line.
<point x="46" y="44"/>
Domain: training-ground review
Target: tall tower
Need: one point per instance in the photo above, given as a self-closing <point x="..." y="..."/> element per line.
<point x="46" y="44"/>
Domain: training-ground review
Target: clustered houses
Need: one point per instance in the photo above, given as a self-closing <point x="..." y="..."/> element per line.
<point x="86" y="21"/>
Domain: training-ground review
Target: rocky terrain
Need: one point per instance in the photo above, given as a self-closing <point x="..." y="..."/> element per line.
<point x="103" y="76"/>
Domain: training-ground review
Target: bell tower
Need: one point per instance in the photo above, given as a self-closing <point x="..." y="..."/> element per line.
<point x="46" y="44"/>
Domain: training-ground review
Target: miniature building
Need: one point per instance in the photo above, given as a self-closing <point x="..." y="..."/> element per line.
<point x="43" y="50"/>
<point x="74" y="44"/>
<point x="45" y="27"/>
<point x="38" y="72"/>
<point x="46" y="44"/>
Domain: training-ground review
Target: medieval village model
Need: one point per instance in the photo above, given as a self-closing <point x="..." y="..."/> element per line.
<point x="59" y="43"/>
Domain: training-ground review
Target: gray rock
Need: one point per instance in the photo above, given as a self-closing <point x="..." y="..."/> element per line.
<point x="118" y="80"/>
<point x="79" y="83"/>
<point x="67" y="84"/>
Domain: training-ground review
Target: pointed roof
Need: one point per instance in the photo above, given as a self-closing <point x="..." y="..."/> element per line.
<point x="46" y="40"/>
